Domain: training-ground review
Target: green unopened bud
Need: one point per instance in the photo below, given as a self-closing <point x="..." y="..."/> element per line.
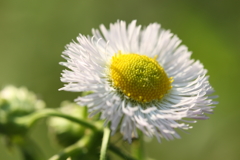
<point x="15" y="103"/>
<point x="67" y="132"/>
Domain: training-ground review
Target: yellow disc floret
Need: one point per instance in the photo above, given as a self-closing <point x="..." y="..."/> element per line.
<point x="139" y="77"/>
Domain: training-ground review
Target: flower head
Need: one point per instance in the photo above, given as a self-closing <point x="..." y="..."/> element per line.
<point x="139" y="78"/>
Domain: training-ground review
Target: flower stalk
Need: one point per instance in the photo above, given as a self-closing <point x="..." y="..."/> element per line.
<point x="137" y="148"/>
<point x="77" y="149"/>
<point x="30" y="119"/>
<point x="105" y="141"/>
<point x="120" y="153"/>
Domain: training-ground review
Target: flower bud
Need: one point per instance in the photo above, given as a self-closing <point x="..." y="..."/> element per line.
<point x="67" y="132"/>
<point x="15" y="103"/>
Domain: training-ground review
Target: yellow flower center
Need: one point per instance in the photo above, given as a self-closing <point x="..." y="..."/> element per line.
<point x="139" y="77"/>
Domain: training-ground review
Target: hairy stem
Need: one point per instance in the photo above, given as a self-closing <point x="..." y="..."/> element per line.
<point x="30" y="119"/>
<point x="79" y="148"/>
<point x="106" y="135"/>
<point x="138" y="148"/>
<point x="120" y="153"/>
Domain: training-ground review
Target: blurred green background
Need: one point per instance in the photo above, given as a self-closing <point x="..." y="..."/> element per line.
<point x="33" y="35"/>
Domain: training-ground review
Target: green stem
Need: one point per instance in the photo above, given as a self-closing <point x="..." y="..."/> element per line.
<point x="27" y="155"/>
<point x="120" y="153"/>
<point x="138" y="148"/>
<point x="30" y="119"/>
<point x="106" y="136"/>
<point x="27" y="147"/>
<point x="78" y="148"/>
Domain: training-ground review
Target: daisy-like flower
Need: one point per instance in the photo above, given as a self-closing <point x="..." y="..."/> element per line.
<point x="139" y="78"/>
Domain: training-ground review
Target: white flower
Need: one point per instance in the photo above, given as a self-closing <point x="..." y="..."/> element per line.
<point x="139" y="78"/>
